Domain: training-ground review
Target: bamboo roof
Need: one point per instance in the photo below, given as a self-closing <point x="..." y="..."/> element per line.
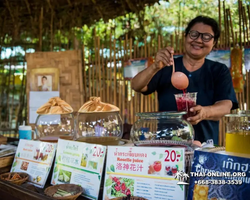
<point x="34" y="16"/>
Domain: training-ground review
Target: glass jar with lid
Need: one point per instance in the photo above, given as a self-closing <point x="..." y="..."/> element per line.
<point x="162" y="129"/>
<point x="51" y="127"/>
<point x="238" y="132"/>
<point x="104" y="128"/>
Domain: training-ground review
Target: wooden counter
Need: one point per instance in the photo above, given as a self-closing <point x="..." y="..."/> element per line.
<point x="25" y="191"/>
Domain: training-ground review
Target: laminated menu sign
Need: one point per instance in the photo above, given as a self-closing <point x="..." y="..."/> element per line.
<point x="81" y="164"/>
<point x="219" y="176"/>
<point x="147" y="172"/>
<point x="34" y="158"/>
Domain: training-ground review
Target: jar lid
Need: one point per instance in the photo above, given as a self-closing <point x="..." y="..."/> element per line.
<point x="162" y="114"/>
<point x="241" y="113"/>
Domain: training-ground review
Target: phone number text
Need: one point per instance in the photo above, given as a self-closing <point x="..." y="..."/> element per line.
<point x="218" y="182"/>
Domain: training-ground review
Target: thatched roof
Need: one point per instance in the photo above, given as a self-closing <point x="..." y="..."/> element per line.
<point x="32" y="16"/>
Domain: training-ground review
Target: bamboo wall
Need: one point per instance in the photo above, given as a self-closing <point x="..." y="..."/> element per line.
<point x="99" y="79"/>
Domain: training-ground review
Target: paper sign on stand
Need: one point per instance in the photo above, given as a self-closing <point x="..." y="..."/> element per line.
<point x="144" y="172"/>
<point x="81" y="164"/>
<point x="34" y="158"/>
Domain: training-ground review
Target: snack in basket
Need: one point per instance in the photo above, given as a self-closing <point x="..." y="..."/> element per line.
<point x="15" y="177"/>
<point x="200" y="192"/>
<point x="55" y="105"/>
<point x="95" y="105"/>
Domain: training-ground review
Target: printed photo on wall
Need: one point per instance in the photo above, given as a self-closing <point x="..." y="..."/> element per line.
<point x="44" y="79"/>
<point x="44" y="83"/>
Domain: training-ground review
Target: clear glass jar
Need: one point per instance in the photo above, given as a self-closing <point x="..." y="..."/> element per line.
<point x="104" y="128"/>
<point x="238" y="132"/>
<point x="162" y="129"/>
<point x="50" y="127"/>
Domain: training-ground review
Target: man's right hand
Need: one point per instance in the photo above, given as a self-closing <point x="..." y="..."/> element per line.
<point x="164" y="57"/>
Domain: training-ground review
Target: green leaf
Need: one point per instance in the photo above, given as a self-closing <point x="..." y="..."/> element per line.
<point x="112" y="168"/>
<point x="18" y="155"/>
<point x="99" y="177"/>
<point x="13" y="170"/>
<point x="154" y="153"/>
<point x="181" y="186"/>
<point x="109" y="191"/>
<point x="15" y="163"/>
<point x="177" y="167"/>
<point x="108" y="182"/>
<point x="161" y="156"/>
<point x="55" y="169"/>
<point x="55" y="176"/>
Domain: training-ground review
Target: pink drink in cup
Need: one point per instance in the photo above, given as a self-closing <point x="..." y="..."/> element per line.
<point x="185" y="102"/>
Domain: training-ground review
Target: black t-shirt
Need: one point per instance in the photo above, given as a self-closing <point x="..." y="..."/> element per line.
<point x="212" y="82"/>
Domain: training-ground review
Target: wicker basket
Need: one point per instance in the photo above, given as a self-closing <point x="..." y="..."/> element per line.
<point x="6" y="161"/>
<point x="23" y="175"/>
<point x="50" y="191"/>
<point x="3" y="140"/>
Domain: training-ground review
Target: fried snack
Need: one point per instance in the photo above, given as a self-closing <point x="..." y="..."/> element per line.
<point x="95" y="105"/>
<point x="16" y="177"/>
<point x="200" y="192"/>
<point x="55" y="105"/>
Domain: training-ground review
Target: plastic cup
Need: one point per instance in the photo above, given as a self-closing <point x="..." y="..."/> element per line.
<point x="185" y="102"/>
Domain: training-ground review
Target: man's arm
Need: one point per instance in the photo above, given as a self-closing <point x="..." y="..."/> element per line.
<point x="163" y="58"/>
<point x="214" y="112"/>
<point x="140" y="81"/>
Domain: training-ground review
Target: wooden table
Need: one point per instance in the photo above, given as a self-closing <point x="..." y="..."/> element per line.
<point x="9" y="191"/>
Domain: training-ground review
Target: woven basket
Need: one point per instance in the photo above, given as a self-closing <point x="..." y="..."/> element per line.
<point x="131" y="198"/>
<point x="24" y="176"/>
<point x="50" y="191"/>
<point x="3" y="140"/>
<point x="6" y="161"/>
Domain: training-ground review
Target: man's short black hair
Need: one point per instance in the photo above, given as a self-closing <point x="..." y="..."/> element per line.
<point x="44" y="77"/>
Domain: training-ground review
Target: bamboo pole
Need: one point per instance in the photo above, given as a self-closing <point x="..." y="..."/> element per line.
<point x="99" y="68"/>
<point x="220" y="22"/>
<point x="84" y="73"/>
<point x="248" y="89"/>
<point x="115" y="71"/>
<point x="89" y="76"/>
<point x="231" y="27"/>
<point x="103" y="74"/>
<point x="239" y="9"/>
<point x="41" y="30"/>
<point x="243" y="25"/>
<point x="132" y="92"/>
<point x="95" y="66"/>
<point x="51" y="30"/>
<point x="225" y="25"/>
<point x="246" y="38"/>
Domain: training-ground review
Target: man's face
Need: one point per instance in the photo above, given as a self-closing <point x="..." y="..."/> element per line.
<point x="44" y="80"/>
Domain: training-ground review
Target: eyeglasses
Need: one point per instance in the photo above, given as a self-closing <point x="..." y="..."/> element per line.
<point x="206" y="37"/>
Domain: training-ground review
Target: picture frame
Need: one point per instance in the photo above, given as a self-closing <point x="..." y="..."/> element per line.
<point x="44" y="79"/>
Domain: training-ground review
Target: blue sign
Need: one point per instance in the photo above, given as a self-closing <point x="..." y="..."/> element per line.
<point x="216" y="176"/>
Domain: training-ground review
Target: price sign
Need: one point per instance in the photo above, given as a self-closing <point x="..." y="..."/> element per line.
<point x="79" y="163"/>
<point x="98" y="152"/>
<point x="145" y="172"/>
<point x="172" y="156"/>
